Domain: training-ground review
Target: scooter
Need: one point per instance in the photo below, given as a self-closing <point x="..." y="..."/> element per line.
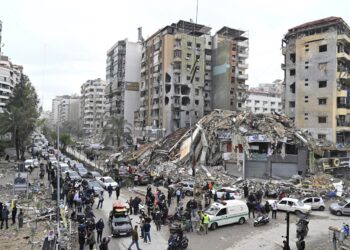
<point x="261" y="220"/>
<point x="177" y="242"/>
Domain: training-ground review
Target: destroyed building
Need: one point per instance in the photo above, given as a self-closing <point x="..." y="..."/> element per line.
<point x="245" y="144"/>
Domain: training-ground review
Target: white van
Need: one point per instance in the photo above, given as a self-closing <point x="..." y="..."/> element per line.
<point x="227" y="212"/>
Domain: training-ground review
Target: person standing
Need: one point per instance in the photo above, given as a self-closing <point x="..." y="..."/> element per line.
<point x="117" y="191"/>
<point x="110" y="190"/>
<point x="195" y="220"/>
<point x="169" y="198"/>
<point x="14" y="214"/>
<point x="147" y="232"/>
<point x="5" y="217"/>
<point x="99" y="228"/>
<point x="178" y="196"/>
<point x="274" y="210"/>
<point x="20" y="218"/>
<point x="91" y="239"/>
<point x="81" y="241"/>
<point x="135" y="238"/>
<point x="300" y="244"/>
<point x="104" y="243"/>
<point x="267" y="208"/>
<point x="205" y="222"/>
<point x="158" y="220"/>
<point x="130" y="205"/>
<point x="100" y="200"/>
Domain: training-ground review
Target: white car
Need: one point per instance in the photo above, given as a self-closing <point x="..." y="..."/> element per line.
<point x="64" y="167"/>
<point x="105" y="181"/>
<point x="315" y="203"/>
<point x="292" y="205"/>
<point x="29" y="164"/>
<point x="234" y="192"/>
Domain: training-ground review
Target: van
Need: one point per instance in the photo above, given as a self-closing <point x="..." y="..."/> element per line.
<point x="227" y="212"/>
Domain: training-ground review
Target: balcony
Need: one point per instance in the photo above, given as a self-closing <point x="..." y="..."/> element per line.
<point x="243" y="54"/>
<point x="244" y="44"/>
<point x="177" y="59"/>
<point x="243" y="65"/>
<point x="344" y="38"/>
<point x="343" y="56"/>
<point x="207" y="67"/>
<point x="283" y="66"/>
<point x="343" y="123"/>
<point x="242" y="76"/>
<point x="208" y="57"/>
<point x="207" y="77"/>
<point x="284" y="50"/>
<point x="177" y="70"/>
<point x="343" y="75"/>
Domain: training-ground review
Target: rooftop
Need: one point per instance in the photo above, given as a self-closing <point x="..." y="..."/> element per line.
<point x="319" y="22"/>
<point x="233" y="33"/>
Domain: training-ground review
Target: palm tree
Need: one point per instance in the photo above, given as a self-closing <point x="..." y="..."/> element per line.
<point x="117" y="131"/>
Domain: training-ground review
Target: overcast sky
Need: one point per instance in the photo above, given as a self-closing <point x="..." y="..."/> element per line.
<point x="61" y="44"/>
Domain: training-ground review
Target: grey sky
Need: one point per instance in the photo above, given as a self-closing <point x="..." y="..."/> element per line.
<point x="63" y="43"/>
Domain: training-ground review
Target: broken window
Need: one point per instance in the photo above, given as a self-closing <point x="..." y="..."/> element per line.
<point x="167" y="88"/>
<point x="167" y="77"/>
<point x="322" y="119"/>
<point x="292" y="57"/>
<point x="239" y="105"/>
<point x="322" y="84"/>
<point x="292" y="72"/>
<point x="322" y="101"/>
<point x="185" y="90"/>
<point x="321" y="136"/>
<point x="322" y="66"/>
<point x="197" y="91"/>
<point x="188" y="78"/>
<point x="292" y="88"/>
<point x="292" y="104"/>
<point x="196" y="102"/>
<point x="166" y="100"/>
<point x="185" y="100"/>
<point x="189" y="44"/>
<point x="198" y="45"/>
<point x="322" y="48"/>
<point x="291" y="149"/>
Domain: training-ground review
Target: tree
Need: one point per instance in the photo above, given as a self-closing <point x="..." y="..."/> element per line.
<point x="116" y="131"/>
<point x="65" y="140"/>
<point x="20" y="115"/>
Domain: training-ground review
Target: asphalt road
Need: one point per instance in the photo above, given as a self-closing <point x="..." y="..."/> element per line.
<point x="232" y="237"/>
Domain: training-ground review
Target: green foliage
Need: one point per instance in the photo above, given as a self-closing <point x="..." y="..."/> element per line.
<point x="65" y="140"/>
<point x="20" y="115"/>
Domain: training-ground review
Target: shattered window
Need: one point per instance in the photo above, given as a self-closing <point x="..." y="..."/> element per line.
<point x="291" y="149"/>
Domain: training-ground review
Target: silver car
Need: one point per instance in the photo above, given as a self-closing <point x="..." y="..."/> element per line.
<point x="341" y="207"/>
<point x="316" y="203"/>
<point x="121" y="226"/>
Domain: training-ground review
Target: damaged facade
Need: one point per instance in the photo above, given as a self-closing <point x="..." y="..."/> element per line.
<point x="317" y="62"/>
<point x="177" y="84"/>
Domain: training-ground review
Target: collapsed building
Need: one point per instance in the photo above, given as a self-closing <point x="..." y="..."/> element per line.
<point x="246" y="145"/>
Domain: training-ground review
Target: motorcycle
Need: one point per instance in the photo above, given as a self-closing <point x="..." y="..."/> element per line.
<point x="261" y="220"/>
<point x="302" y="227"/>
<point x="177" y="242"/>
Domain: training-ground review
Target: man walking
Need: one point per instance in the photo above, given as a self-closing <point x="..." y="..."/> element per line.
<point x="14" y="214"/>
<point x="205" y="222"/>
<point x="169" y="198"/>
<point x="274" y="210"/>
<point x="178" y="196"/>
<point x="5" y="217"/>
<point x="100" y="200"/>
<point x="117" y="192"/>
<point x="110" y="190"/>
<point x="135" y="239"/>
<point x="146" y="231"/>
<point x="99" y="228"/>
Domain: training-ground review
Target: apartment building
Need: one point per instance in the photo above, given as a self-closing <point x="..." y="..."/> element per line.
<point x="230" y="52"/>
<point x="123" y="79"/>
<point x="10" y="75"/>
<point x="92" y="106"/>
<point x="317" y="73"/>
<point x="175" y="78"/>
<point x="265" y="98"/>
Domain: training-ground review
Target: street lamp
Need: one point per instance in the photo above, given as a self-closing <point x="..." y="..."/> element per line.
<point x="58" y="192"/>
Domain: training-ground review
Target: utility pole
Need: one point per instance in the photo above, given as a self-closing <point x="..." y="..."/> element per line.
<point x="286" y="243"/>
<point x="58" y="176"/>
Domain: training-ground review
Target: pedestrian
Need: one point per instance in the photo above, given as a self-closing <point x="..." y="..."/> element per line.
<point x="99" y="228"/>
<point x="246" y="191"/>
<point x="20" y="218"/>
<point x="215" y="196"/>
<point x="117" y="191"/>
<point x="169" y="198"/>
<point x="81" y="240"/>
<point x="100" y="200"/>
<point x="195" y="220"/>
<point x="267" y="208"/>
<point x="251" y="209"/>
<point x="158" y="220"/>
<point x="91" y="239"/>
<point x="147" y="232"/>
<point x="110" y="190"/>
<point x="5" y="217"/>
<point x="105" y="242"/>
<point x="14" y="214"/>
<point x="274" y="210"/>
<point x="205" y="221"/>
<point x="178" y="196"/>
<point x="135" y="239"/>
<point x="130" y="205"/>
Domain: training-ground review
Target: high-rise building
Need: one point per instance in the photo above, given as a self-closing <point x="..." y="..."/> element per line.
<point x="175" y="78"/>
<point x="123" y="79"/>
<point x="265" y="98"/>
<point x="230" y="52"/>
<point x="92" y="106"/>
<point x="10" y="75"/>
<point x="317" y="73"/>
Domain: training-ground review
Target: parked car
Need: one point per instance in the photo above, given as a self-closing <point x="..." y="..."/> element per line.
<point x="92" y="175"/>
<point x="73" y="175"/>
<point x="234" y="192"/>
<point x="63" y="167"/>
<point x="95" y="185"/>
<point x="292" y="205"/>
<point x="29" y="164"/>
<point x="105" y="181"/>
<point x="142" y="179"/>
<point x="81" y="170"/>
<point x="341" y="207"/>
<point x="186" y="186"/>
<point x="315" y="203"/>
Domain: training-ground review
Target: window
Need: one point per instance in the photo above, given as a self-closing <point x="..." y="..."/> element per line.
<point x="188" y="78"/>
<point x="257" y="102"/>
<point x="292" y="57"/>
<point x="321" y="136"/>
<point x="222" y="212"/>
<point x="317" y="199"/>
<point x="306" y="116"/>
<point x="188" y="56"/>
<point x="292" y="72"/>
<point x="188" y="67"/>
<point x="322" y="48"/>
<point x="306" y="99"/>
<point x="322" y="101"/>
<point x="308" y="200"/>
<point x="189" y="44"/>
<point x="322" y="119"/>
<point x="306" y="84"/>
<point x="196" y="102"/>
<point x="322" y="66"/>
<point x="197" y="79"/>
<point x="283" y="203"/>
<point x="198" y="45"/>
<point x="306" y="65"/>
<point x="292" y="104"/>
<point x="177" y="53"/>
<point x="197" y="91"/>
<point x="322" y="84"/>
<point x="197" y="57"/>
